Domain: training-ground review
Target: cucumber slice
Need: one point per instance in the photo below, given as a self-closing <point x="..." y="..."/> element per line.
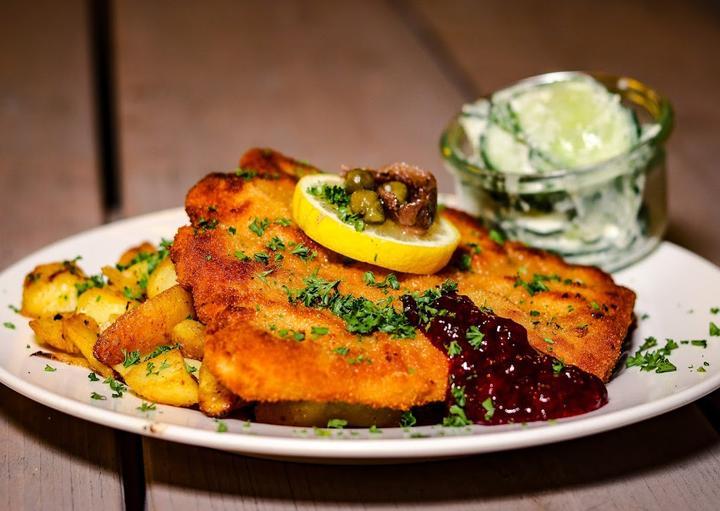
<point x="503" y="152"/>
<point x="574" y="123"/>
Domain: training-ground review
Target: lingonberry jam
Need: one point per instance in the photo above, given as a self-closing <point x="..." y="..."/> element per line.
<point x="496" y="377"/>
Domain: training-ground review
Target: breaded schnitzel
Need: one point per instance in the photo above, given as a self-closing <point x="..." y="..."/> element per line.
<point x="247" y="267"/>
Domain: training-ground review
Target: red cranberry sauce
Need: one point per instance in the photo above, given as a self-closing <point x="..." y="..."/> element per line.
<point x="504" y="380"/>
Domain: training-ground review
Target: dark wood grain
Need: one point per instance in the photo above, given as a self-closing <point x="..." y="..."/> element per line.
<point x="48" y="189"/>
<point x="636" y="467"/>
<point x="669" y="45"/>
<point x="330" y="84"/>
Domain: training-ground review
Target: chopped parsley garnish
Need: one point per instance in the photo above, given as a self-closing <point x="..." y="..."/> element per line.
<point x="319" y="331"/>
<point x="303" y="252"/>
<point x="474" y="248"/>
<point x="9" y="325"/>
<point x="496" y="236"/>
<point x="93" y="377"/>
<point x="557" y="366"/>
<point x="262" y="257"/>
<point x="258" y="226"/>
<point x="489" y="408"/>
<point x="595" y="305"/>
<point x="206" y="224"/>
<point x="453" y="349"/>
<point x="374" y="429"/>
<point x="534" y="313"/>
<point x="131" y="358"/>
<point x="426" y="302"/>
<point x="337" y="423"/>
<point x="457" y="417"/>
<point x="537" y="284"/>
<point x="242" y="256"/>
<point x="699" y="342"/>
<point x="464" y="262"/>
<point x="407" y="420"/>
<point x="14" y="309"/>
<point x="93" y="281"/>
<point x="276" y="243"/>
<point x="246" y="174"/>
<point x="97" y="396"/>
<point x="190" y="369"/>
<point x="147" y="407"/>
<point x="285" y="222"/>
<point x="49" y="368"/>
<point x="232" y="230"/>
<point x="475" y="337"/>
<point x="714" y="329"/>
<point x="263" y="274"/>
<point x="336" y="196"/>
<point x="117" y="387"/>
<point x="221" y="427"/>
<point x="714" y="310"/>
<point x="653" y="360"/>
<point x="160" y="350"/>
<point x="128" y="293"/>
<point x="342" y="350"/>
<point x="361" y="315"/>
<point x="360" y="359"/>
<point x="390" y="281"/>
<point x="293" y="334"/>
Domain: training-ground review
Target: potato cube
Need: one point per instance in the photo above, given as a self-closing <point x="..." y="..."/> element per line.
<point x="163" y="379"/>
<point x="190" y="335"/>
<point x="51" y="289"/>
<point x="104" y="305"/>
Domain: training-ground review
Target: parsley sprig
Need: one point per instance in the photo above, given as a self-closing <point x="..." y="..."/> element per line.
<point x="656" y="360"/>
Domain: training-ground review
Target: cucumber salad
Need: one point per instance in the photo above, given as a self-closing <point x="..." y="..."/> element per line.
<point x="532" y="128"/>
<point x="567" y="165"/>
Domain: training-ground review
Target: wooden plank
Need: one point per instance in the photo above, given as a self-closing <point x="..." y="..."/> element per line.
<point x="48" y="189"/>
<point x="669" y="462"/>
<point x="666" y="44"/>
<point x="325" y="82"/>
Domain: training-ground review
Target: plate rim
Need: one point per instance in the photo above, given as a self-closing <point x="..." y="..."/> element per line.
<point x="328" y="448"/>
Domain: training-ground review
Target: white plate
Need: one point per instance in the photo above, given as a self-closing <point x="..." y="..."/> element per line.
<point x="675" y="287"/>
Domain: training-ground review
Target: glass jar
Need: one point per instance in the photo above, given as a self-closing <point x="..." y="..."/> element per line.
<point x="608" y="214"/>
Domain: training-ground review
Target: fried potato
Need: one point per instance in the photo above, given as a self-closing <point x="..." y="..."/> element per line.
<point x="50" y="331"/>
<point x="163" y="277"/>
<point x="163" y="379"/>
<point x="51" y="289"/>
<point x="145" y="327"/>
<point x="190" y="335"/>
<point x="82" y="330"/>
<point x="65" y="358"/>
<point x="214" y="398"/>
<point x="104" y="305"/>
<point x="130" y="282"/>
<point x="143" y="248"/>
<point x="315" y="414"/>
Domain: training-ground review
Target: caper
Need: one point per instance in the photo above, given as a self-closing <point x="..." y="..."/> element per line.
<point x="367" y="203"/>
<point x="398" y="189"/>
<point x="359" y="179"/>
<point x="375" y="214"/>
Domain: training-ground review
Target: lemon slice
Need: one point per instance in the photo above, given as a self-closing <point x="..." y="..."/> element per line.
<point x="387" y="245"/>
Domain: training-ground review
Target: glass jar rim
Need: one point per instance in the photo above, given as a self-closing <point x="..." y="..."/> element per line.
<point x="662" y="113"/>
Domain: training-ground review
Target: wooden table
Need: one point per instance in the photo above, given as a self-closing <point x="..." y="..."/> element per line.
<point x="92" y="131"/>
